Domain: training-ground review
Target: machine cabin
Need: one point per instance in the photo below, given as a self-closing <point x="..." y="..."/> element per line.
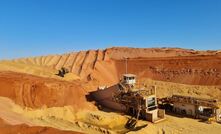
<point x="129" y="79"/>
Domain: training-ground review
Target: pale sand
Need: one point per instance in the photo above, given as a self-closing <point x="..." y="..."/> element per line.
<point x="62" y="118"/>
<point x="36" y="70"/>
<point x="105" y="68"/>
<point x="97" y="122"/>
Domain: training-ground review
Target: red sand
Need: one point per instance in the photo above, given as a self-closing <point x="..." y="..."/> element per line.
<point x="35" y="92"/>
<point x="167" y="64"/>
<point x="103" y="67"/>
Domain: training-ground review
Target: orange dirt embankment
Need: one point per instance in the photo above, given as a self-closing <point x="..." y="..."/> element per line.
<point x="185" y="66"/>
<point x="199" y="70"/>
<point x="25" y="129"/>
<point x="168" y="64"/>
<point x="35" y="92"/>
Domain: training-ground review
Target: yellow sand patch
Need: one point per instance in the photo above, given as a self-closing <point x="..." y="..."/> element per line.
<point x="70" y="77"/>
<point x="165" y="89"/>
<point x="34" y="69"/>
<point x="63" y="118"/>
<point x="109" y="120"/>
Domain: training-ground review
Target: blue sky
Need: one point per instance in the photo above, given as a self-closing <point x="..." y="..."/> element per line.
<point x="41" y="27"/>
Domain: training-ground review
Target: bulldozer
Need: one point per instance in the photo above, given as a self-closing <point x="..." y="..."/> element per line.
<point x="62" y="72"/>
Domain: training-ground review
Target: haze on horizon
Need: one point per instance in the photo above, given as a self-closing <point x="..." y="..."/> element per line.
<point x="39" y="27"/>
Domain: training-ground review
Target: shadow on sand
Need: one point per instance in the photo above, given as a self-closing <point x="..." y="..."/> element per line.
<point x="103" y="99"/>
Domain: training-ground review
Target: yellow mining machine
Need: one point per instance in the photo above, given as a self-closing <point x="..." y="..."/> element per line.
<point x="138" y="102"/>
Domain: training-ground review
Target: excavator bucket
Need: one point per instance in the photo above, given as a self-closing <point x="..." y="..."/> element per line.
<point x="131" y="123"/>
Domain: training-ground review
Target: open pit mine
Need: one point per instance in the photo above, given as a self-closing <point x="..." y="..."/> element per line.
<point x="117" y="90"/>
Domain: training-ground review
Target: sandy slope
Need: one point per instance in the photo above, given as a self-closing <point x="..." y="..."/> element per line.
<point x="106" y="66"/>
<point x="25" y="129"/>
<point x="165" y="89"/>
<point x="36" y="92"/>
<point x="43" y="99"/>
<point x="66" y="119"/>
<point x="34" y="69"/>
<point x="62" y="118"/>
<point x="181" y="125"/>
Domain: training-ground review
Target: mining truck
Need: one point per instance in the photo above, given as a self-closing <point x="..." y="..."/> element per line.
<point x="140" y="103"/>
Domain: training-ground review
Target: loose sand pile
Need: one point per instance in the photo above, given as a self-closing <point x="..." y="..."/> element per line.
<point x="35" y="69"/>
<point x="47" y="103"/>
<point x="36" y="92"/>
<point x="63" y="118"/>
<point x="25" y="129"/>
<point x="106" y="66"/>
<point x="97" y="122"/>
<point x="166" y="89"/>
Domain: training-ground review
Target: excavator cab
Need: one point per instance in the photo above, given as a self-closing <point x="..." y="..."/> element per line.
<point x="129" y="79"/>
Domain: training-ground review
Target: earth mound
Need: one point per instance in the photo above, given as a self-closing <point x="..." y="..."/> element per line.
<point x="177" y="65"/>
<point x="40" y="95"/>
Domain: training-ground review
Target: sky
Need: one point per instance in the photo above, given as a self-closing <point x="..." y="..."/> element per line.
<point x="42" y="27"/>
